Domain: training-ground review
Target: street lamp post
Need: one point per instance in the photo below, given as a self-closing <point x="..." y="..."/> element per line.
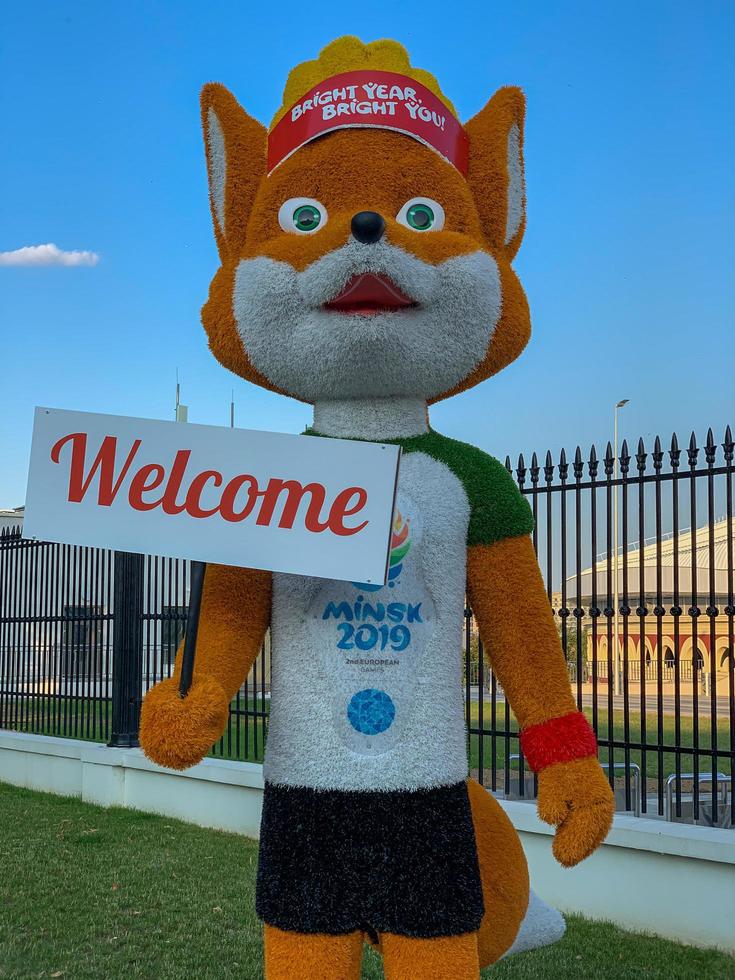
<point x="618" y="688"/>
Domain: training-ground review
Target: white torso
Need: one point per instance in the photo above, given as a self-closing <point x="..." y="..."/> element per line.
<point x="367" y="683"/>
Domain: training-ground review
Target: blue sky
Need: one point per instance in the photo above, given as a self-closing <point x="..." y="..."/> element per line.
<point x="628" y="258"/>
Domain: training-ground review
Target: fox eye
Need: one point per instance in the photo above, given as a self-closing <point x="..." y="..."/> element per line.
<point x="302" y="215"/>
<point x="421" y="214"/>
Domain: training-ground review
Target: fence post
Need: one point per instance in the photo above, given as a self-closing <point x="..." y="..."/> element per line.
<point x="127" y="649"/>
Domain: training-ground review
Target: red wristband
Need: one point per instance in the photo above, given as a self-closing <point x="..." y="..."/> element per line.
<point x="558" y="740"/>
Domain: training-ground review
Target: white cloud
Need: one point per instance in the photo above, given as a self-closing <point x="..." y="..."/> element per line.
<point x="49" y="254"/>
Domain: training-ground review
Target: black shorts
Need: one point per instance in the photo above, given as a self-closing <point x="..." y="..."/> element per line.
<point x="401" y="862"/>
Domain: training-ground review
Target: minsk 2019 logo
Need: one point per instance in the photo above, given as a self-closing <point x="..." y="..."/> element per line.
<point x="372" y="711"/>
<point x="400" y="545"/>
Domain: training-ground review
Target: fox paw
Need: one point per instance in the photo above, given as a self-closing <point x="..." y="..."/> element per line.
<point x="178" y="732"/>
<point x="576" y="798"/>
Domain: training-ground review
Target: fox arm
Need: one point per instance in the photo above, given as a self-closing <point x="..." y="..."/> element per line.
<point x="236" y="607"/>
<point x="508" y="598"/>
<point x="235" y="614"/>
<point x="506" y="592"/>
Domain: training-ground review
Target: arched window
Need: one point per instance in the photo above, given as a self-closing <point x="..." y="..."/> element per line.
<point x="669" y="658"/>
<point x="726" y="658"/>
<point x="698" y="660"/>
<point x="648" y="658"/>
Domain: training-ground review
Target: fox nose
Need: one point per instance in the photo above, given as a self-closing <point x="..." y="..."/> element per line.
<point x="368" y="227"/>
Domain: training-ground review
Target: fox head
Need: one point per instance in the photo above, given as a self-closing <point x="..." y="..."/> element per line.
<point x="365" y="265"/>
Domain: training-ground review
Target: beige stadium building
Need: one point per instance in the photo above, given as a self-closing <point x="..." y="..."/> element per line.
<point x="692" y="565"/>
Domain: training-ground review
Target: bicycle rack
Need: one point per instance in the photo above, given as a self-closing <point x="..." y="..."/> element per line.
<point x="714" y="810"/>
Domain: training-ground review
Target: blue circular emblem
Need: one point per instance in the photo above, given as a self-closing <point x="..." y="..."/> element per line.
<point x="371" y="712"/>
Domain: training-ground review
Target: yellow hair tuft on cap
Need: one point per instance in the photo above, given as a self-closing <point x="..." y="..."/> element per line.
<point x="350" y="54"/>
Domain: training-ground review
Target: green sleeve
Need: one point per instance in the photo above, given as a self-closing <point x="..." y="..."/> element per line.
<point x="498" y="509"/>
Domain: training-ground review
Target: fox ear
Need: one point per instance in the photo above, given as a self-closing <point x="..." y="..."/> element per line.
<point x="496" y="168"/>
<point x="236" y="162"/>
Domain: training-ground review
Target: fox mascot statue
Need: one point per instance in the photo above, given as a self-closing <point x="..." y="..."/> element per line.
<point x="366" y="242"/>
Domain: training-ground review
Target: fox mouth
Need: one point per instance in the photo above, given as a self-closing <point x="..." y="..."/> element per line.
<point x="368" y="294"/>
<point x="364" y="322"/>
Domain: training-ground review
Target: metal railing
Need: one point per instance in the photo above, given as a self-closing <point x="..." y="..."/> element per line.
<point x="661" y="700"/>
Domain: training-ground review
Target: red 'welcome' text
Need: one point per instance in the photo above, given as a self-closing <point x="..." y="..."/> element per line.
<point x="176" y="491"/>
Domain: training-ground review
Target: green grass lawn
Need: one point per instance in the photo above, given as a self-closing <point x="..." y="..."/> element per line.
<point x="106" y="894"/>
<point x="69" y="717"/>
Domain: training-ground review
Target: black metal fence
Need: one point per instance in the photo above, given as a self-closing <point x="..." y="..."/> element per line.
<point x="638" y="548"/>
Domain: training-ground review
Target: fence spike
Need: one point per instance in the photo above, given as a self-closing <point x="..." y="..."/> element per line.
<point x="593" y="464"/>
<point x="508" y="465"/>
<point x="658" y="454"/>
<point x="609" y="460"/>
<point x="563" y="465"/>
<point x="578" y="464"/>
<point x="692" y="451"/>
<point x="728" y="445"/>
<point x="710" y="448"/>
<point x="641" y="456"/>
<point x="624" y="457"/>
<point x="549" y="467"/>
<point x="674" y="452"/>
<point x="535" y="468"/>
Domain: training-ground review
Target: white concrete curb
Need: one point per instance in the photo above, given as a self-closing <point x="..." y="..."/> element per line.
<point x="217" y="793"/>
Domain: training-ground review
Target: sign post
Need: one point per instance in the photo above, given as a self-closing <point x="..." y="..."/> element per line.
<point x="196" y="587"/>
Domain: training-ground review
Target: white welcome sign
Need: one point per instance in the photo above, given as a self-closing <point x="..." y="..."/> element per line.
<point x="306" y="505"/>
